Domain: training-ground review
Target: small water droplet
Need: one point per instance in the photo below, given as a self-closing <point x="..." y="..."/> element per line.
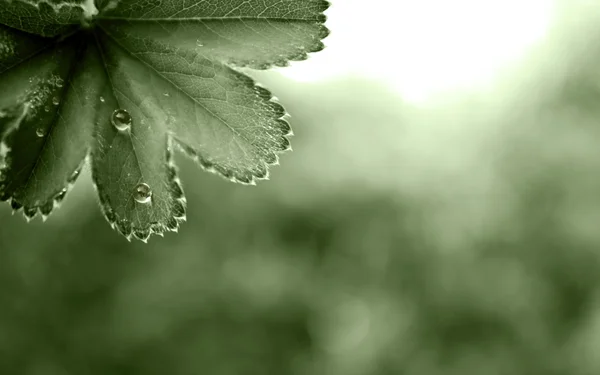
<point x="47" y="108"/>
<point x="61" y="195"/>
<point x="142" y="193"/>
<point x="199" y="43"/>
<point x="102" y="99"/>
<point x="121" y="119"/>
<point x="40" y="132"/>
<point x="55" y="100"/>
<point x="74" y="176"/>
<point x="59" y="82"/>
<point x="166" y="94"/>
<point x="30" y="79"/>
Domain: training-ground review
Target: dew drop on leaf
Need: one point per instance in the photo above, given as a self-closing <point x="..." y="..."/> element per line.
<point x="55" y="101"/>
<point x="199" y="43"/>
<point x="121" y="119"/>
<point x="61" y="195"/>
<point x="142" y="193"/>
<point x="47" y="108"/>
<point x="39" y="132"/>
<point x="74" y="175"/>
<point x="102" y="99"/>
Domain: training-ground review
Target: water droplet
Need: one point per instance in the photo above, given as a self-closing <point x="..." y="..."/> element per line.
<point x="142" y="193"/>
<point x="47" y="108"/>
<point x="102" y="99"/>
<point x="199" y="43"/>
<point x="59" y="82"/>
<point x="61" y="195"/>
<point x="166" y="94"/>
<point x="30" y="79"/>
<point x="73" y="177"/>
<point x="121" y="119"/>
<point x="55" y="100"/>
<point x="40" y="132"/>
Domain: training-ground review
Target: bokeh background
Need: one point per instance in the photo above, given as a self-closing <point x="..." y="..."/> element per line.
<point x="439" y="214"/>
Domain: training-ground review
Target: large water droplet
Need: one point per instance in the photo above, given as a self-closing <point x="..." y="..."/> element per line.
<point x="121" y="119"/>
<point x="40" y="132"/>
<point x="142" y="193"/>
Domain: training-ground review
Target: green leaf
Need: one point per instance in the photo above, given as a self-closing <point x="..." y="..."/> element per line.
<point x="42" y="17"/>
<point x="139" y="154"/>
<point x="133" y="84"/>
<point x="49" y="125"/>
<point x="15" y="48"/>
<point x="256" y="33"/>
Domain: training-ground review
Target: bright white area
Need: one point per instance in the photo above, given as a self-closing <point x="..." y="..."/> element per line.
<point x="89" y="9"/>
<point x="426" y="47"/>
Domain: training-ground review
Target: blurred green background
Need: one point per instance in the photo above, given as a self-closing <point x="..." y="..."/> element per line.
<point x="456" y="235"/>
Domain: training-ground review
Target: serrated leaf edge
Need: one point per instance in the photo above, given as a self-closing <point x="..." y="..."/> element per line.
<point x="30" y="212"/>
<point x="142" y="234"/>
<point x="208" y="166"/>
<point x="317" y="46"/>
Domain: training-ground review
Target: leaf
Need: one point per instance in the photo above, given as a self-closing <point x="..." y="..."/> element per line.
<point x="52" y="119"/>
<point x="257" y="34"/>
<point x="42" y="17"/>
<point x="135" y="82"/>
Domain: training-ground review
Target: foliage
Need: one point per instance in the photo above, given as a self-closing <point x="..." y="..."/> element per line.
<point x="123" y="83"/>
